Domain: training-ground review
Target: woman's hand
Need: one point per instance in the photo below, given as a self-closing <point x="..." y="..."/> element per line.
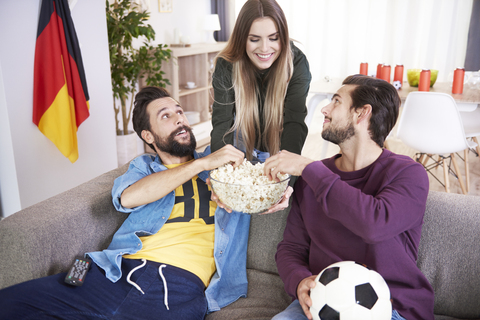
<point x="215" y="198"/>
<point x="282" y="204"/>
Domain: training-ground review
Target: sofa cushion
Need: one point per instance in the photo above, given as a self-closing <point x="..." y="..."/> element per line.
<point x="449" y="253"/>
<point x="265" y="298"/>
<point x="45" y="238"/>
<point x="266" y="231"/>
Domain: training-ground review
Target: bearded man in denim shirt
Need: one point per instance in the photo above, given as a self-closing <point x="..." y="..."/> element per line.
<point x="177" y="256"/>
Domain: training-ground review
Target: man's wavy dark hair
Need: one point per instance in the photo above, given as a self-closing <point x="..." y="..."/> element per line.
<point x="385" y="102"/>
<point x="141" y="120"/>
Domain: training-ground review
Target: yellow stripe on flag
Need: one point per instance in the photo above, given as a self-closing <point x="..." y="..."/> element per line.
<point x="59" y="125"/>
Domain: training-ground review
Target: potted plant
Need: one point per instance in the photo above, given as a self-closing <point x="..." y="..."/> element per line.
<point x="125" y="22"/>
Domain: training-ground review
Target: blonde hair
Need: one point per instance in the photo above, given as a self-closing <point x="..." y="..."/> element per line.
<point x="247" y="93"/>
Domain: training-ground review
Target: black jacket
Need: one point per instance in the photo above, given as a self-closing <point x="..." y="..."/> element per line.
<point x="294" y="128"/>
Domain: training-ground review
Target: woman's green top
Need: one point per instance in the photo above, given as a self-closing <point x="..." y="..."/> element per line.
<point x="294" y="128"/>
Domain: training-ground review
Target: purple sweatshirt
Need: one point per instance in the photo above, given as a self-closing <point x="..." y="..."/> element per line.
<point x="372" y="216"/>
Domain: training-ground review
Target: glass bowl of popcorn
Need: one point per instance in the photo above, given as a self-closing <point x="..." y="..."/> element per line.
<point x="246" y="188"/>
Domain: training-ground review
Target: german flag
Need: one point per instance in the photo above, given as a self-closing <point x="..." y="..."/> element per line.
<point x="60" y="95"/>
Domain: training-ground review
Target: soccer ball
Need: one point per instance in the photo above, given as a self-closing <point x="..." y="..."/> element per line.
<point x="347" y="290"/>
<point x="397" y="84"/>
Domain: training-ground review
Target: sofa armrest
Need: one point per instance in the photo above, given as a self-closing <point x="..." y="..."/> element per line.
<point x="449" y="253"/>
<point x="44" y="239"/>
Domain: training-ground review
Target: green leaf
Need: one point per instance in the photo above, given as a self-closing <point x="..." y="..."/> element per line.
<point x="128" y="64"/>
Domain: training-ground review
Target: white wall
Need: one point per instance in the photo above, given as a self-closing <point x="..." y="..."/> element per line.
<point x="336" y="35"/>
<point x="187" y="16"/>
<point x="8" y="171"/>
<point x="31" y="168"/>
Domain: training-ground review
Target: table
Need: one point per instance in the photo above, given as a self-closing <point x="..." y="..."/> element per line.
<point x="468" y="101"/>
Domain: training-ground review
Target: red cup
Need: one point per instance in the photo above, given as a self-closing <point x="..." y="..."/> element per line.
<point x="458" y="78"/>
<point x="386" y="71"/>
<point x="424" y="83"/>
<point x="398" y="75"/>
<point x="364" y="68"/>
<point x="379" y="71"/>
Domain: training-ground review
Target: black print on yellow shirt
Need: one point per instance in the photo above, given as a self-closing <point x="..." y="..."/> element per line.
<point x="189" y="203"/>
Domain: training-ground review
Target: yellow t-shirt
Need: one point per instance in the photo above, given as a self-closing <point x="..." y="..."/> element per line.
<point x="187" y="238"/>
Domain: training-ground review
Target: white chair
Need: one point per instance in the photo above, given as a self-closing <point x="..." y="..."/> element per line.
<point x="471" y="125"/>
<point x="312" y="105"/>
<point x="431" y="124"/>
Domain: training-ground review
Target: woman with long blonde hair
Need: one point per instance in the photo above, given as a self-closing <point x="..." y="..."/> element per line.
<point x="261" y="81"/>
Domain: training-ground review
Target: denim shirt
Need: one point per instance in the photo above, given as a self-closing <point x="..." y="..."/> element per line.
<point x="229" y="282"/>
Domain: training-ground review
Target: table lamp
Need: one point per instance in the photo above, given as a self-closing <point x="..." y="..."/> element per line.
<point x="211" y="24"/>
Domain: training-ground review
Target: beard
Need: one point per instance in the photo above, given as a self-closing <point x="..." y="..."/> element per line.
<point x="174" y="147"/>
<point x="338" y="135"/>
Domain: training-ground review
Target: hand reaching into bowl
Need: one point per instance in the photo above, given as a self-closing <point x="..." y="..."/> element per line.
<point x="226" y="155"/>
<point x="285" y="162"/>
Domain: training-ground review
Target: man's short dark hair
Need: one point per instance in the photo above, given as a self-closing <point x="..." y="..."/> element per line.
<point x="141" y="119"/>
<point x="385" y="102"/>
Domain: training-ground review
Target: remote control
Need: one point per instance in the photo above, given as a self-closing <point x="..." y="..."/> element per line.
<point x="77" y="273"/>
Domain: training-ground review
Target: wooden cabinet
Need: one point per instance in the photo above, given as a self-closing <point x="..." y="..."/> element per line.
<point x="193" y="64"/>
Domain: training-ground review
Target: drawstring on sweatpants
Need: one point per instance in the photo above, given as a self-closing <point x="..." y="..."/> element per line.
<point x="160" y="272"/>
<point x="132" y="271"/>
<point x="165" y="288"/>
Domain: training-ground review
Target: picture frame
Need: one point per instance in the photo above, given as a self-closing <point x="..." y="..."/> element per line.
<point x="165" y="5"/>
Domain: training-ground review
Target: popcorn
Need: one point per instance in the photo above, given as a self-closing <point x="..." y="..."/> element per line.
<point x="245" y="188"/>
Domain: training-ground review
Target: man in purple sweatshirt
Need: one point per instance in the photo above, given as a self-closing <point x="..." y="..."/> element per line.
<point x="365" y="204"/>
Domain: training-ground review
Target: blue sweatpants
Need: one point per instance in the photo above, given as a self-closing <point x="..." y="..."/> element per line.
<point x="99" y="298"/>
<point x="295" y="312"/>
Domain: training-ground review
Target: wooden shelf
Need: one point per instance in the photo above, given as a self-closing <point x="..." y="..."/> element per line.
<point x="184" y="91"/>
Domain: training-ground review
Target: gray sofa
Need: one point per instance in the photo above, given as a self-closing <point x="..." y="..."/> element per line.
<point x="44" y="239"/>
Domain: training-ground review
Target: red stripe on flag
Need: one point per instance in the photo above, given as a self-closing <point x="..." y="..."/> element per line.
<point x="74" y="83"/>
<point x="75" y="90"/>
<point x="48" y="69"/>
